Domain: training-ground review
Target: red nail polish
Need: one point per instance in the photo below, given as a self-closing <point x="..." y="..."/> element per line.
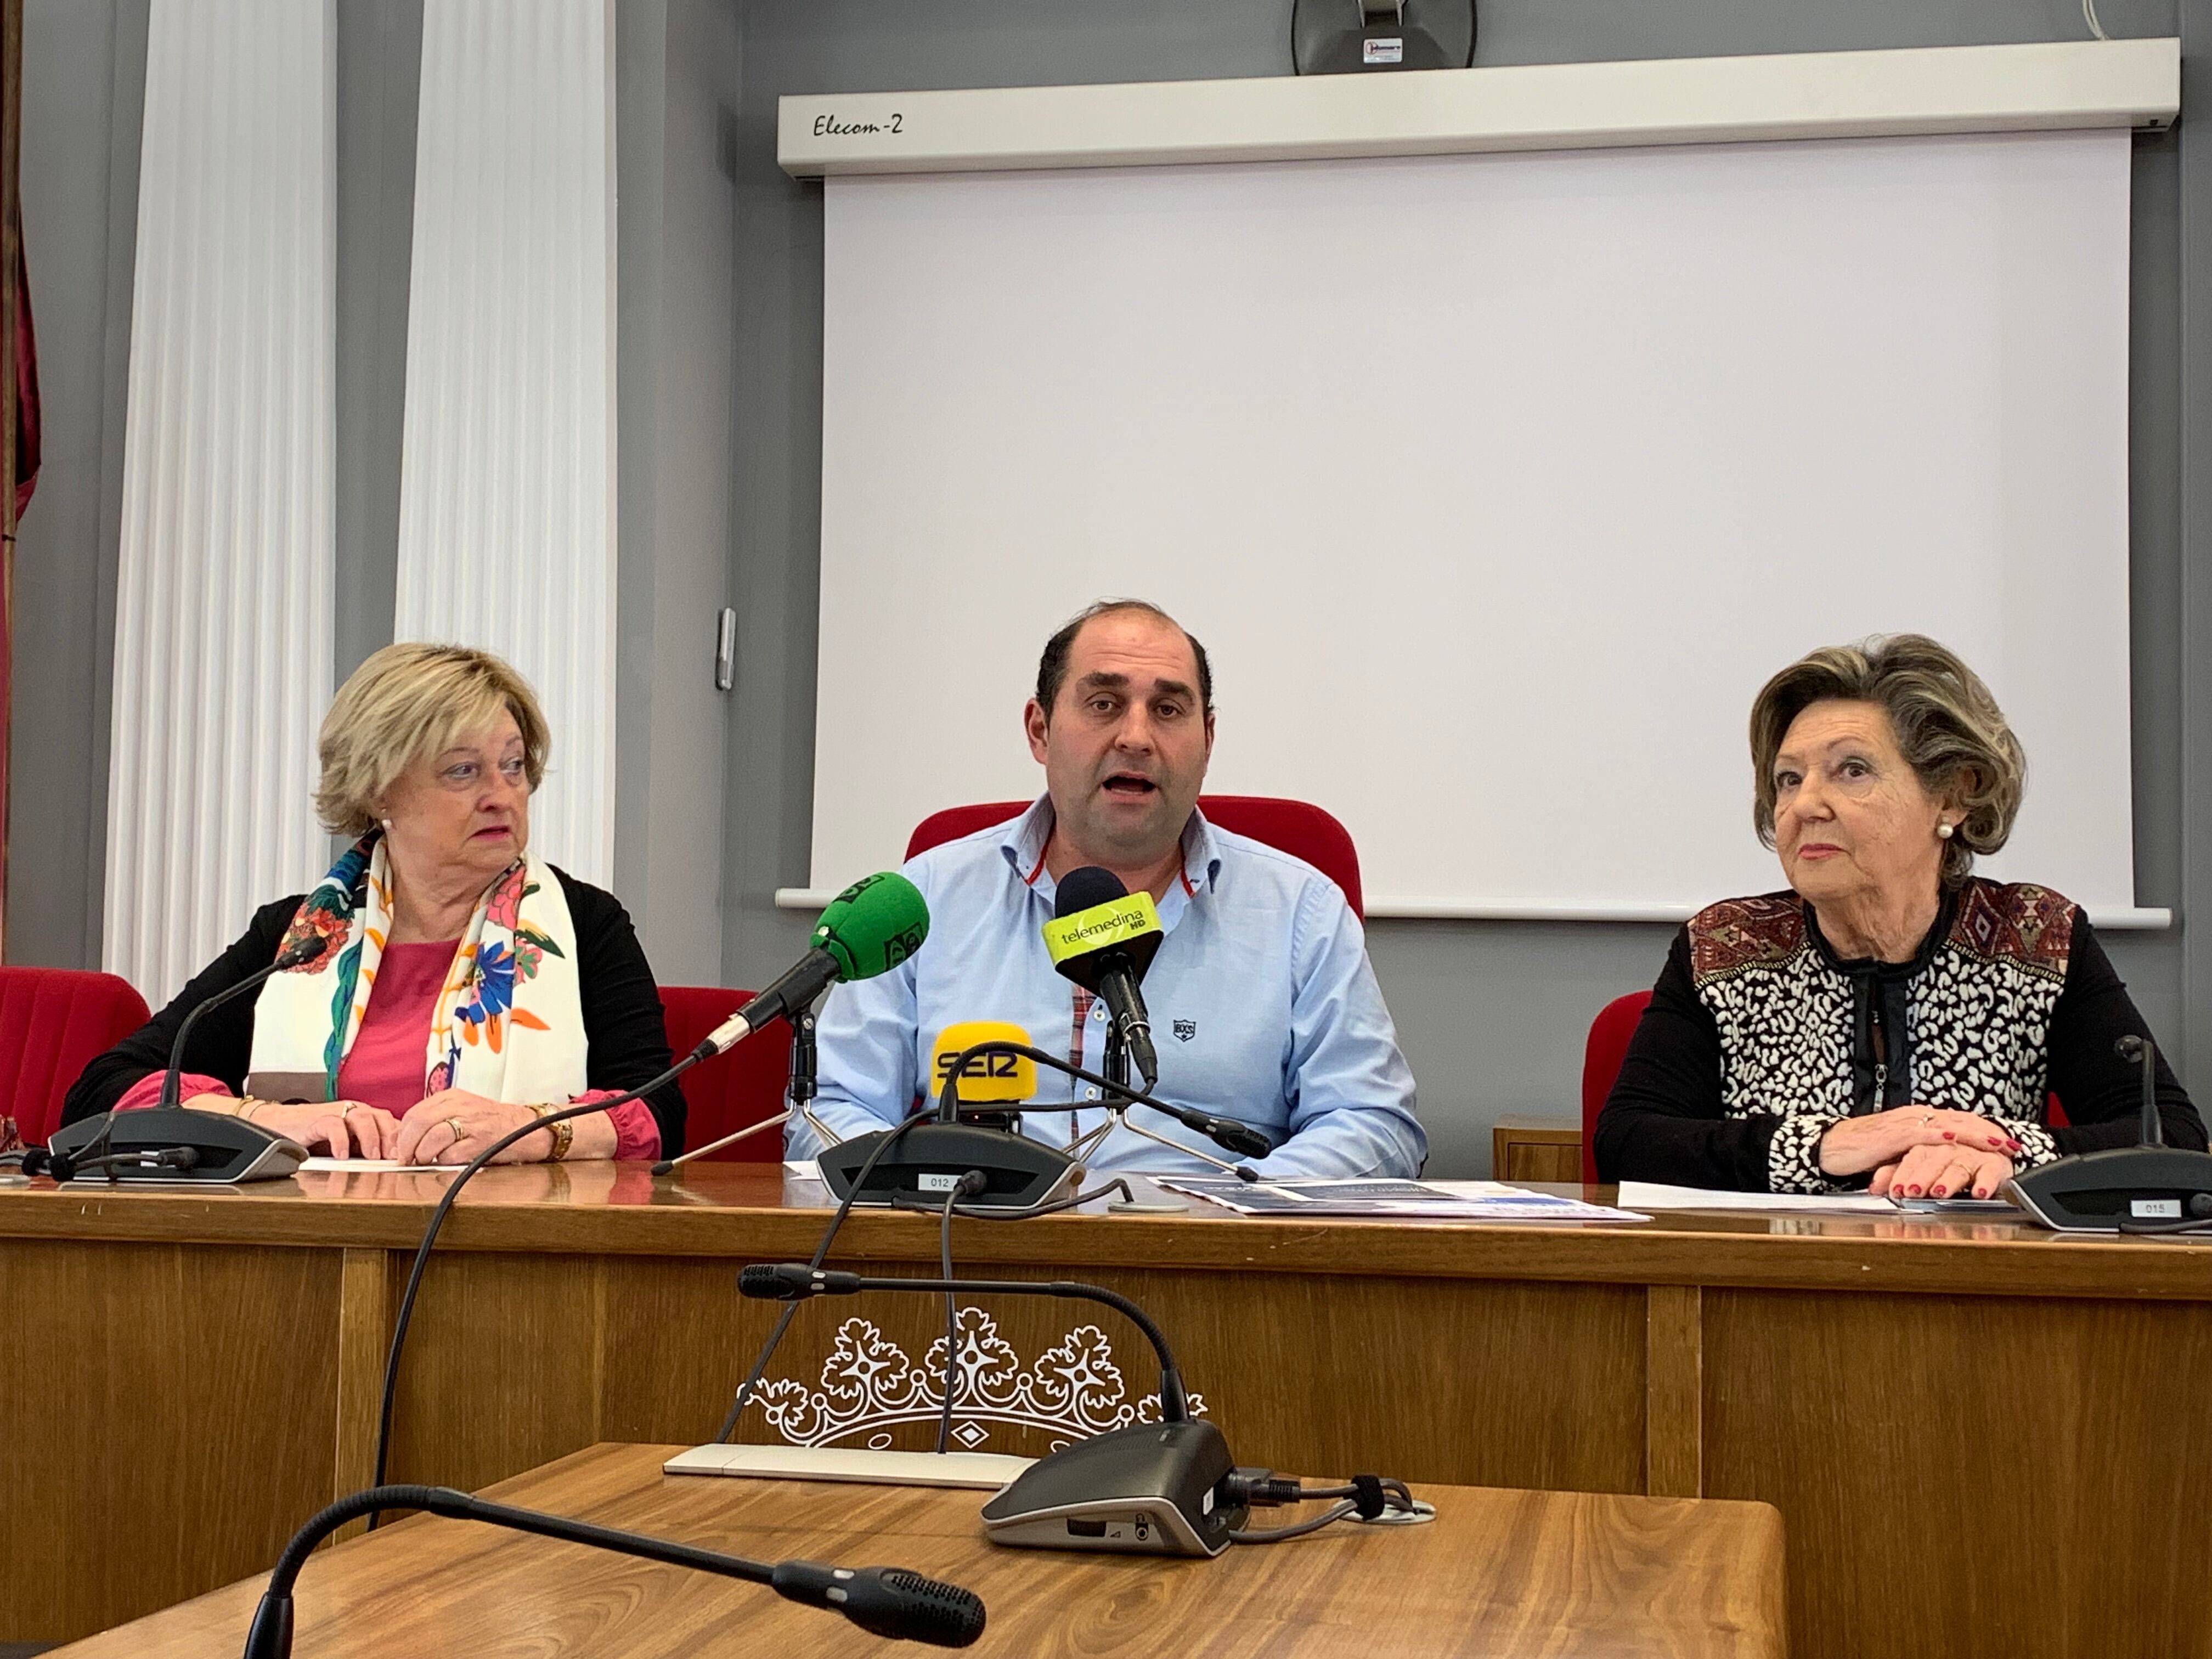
<point x="1948" y="1135"/>
<point x="1915" y="1191"/>
<point x="1938" y="1193"/>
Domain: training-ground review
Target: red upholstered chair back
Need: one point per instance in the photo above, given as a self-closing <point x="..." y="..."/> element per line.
<point x="1601" y="1057"/>
<point x="1296" y="827"/>
<point x="52" y="1021"/>
<point x="722" y="1096"/>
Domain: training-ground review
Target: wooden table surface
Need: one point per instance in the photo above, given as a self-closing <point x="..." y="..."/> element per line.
<point x="754" y="1211"/>
<point x="1496" y="1572"/>
<point x="1983" y="1437"/>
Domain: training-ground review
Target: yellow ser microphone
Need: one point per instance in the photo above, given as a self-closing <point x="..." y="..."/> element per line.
<point x="997" y="1080"/>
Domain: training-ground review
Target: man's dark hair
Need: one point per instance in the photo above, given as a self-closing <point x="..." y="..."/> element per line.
<point x="1052" y="668"/>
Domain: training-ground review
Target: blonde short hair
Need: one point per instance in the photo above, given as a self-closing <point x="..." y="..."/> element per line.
<point x="1948" y="728"/>
<point x="407" y="701"/>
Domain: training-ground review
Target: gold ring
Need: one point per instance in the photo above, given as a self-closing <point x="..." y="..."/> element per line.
<point x="460" y="1133"/>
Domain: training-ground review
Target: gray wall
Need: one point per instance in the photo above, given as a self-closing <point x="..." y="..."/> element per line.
<point x="380" y="72"/>
<point x="1492" y="1016"/>
<point x="678" y="69"/>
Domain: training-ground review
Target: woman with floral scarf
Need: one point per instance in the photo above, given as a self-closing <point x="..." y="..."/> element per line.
<point x="467" y="985"/>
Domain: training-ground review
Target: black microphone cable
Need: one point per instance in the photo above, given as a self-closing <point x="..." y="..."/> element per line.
<point x="967" y="1186"/>
<point x="899" y="1201"/>
<point x="1232" y="1135"/>
<point x="1368" y="1496"/>
<point x="821" y="1251"/>
<point x="444" y="1207"/>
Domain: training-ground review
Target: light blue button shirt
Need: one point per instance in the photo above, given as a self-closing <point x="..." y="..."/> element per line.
<point x="1263" y="1008"/>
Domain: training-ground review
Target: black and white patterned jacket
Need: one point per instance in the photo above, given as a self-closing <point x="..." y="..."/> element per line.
<point x="1758" y="1039"/>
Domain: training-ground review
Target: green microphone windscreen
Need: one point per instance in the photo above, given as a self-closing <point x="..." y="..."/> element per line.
<point x="873" y="925"/>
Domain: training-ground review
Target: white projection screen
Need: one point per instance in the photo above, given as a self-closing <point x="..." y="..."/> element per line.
<point x="1496" y="485"/>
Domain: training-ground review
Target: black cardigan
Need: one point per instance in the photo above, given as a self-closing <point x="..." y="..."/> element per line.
<point x="628" y="1042"/>
<point x="1665" y="1121"/>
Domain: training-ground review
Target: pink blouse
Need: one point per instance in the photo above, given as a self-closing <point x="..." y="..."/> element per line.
<point x="385" y="1066"/>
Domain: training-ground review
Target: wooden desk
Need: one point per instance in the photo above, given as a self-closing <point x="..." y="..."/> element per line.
<point x="1983" y="1439"/>
<point x="1495" y="1572"/>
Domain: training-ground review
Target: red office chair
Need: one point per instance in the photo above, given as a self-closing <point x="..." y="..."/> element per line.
<point x="745" y="1085"/>
<point x="1609" y="1035"/>
<point x="52" y="1021"/>
<point x="1295" y="827"/>
<point x="1601" y="1057"/>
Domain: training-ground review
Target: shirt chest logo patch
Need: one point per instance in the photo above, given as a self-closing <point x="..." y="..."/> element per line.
<point x="1185" y="1029"/>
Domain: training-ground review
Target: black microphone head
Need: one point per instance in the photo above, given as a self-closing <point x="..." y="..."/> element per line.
<point x="773" y="1281"/>
<point x="1084" y="889"/>
<point x="898" y="1603"/>
<point x="304" y="951"/>
<point x="793" y="1281"/>
<point x="2129" y="1046"/>
<point x="1242" y="1138"/>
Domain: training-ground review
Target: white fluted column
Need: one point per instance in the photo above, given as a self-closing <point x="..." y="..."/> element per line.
<point x="507" y="499"/>
<point x="222" y="631"/>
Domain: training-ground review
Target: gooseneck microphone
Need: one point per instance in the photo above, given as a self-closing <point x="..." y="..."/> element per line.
<point x="98" y="1154"/>
<point x="1103" y="938"/>
<point x="1160" y="1488"/>
<point x="795" y="1281"/>
<point x="2149" y="1188"/>
<point x="1231" y="1135"/>
<point x="868" y="929"/>
<point x="299" y="955"/>
<point x="891" y="1601"/>
<point x="2153" y="1133"/>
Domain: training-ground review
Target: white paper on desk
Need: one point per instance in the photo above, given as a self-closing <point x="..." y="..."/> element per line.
<point x="1655" y="1195"/>
<point x="803" y="1169"/>
<point x="367" y="1166"/>
<point x="1378" y="1198"/>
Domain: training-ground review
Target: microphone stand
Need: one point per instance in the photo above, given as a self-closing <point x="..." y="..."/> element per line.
<point x="97" y="1153"/>
<point x="805" y="1055"/>
<point x="799" y="1095"/>
<point x="891" y="1601"/>
<point x="1228" y="1132"/>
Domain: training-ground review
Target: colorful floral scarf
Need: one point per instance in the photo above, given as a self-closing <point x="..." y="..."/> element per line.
<point x="509" y="1023"/>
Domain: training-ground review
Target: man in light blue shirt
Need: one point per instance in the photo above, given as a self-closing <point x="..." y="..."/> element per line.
<point x="1263" y="1006"/>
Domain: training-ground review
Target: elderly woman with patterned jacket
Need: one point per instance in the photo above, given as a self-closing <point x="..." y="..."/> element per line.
<point x="1892" y="1022"/>
<point x="467" y="987"/>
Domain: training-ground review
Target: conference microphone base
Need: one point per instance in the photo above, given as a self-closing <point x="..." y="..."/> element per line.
<point x="1149" y="1489"/>
<point x="930" y="1158"/>
<point x="2096" y="1192"/>
<point x="225" y="1149"/>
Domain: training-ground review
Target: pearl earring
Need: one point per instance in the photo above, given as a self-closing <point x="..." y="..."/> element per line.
<point x="1943" y="831"/>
